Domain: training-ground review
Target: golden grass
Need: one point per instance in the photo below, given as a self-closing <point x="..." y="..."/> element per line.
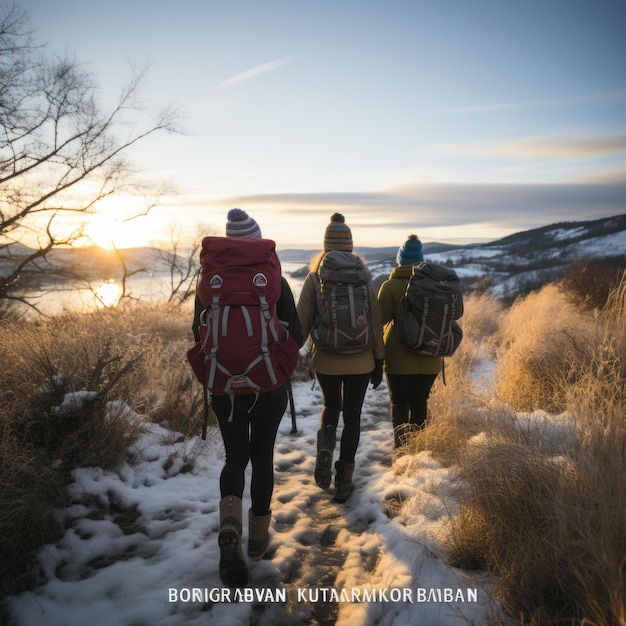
<point x="124" y="366"/>
<point x="548" y="516"/>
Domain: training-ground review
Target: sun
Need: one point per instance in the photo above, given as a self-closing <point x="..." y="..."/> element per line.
<point x="103" y="230"/>
<point x="119" y="223"/>
<point x="109" y="233"/>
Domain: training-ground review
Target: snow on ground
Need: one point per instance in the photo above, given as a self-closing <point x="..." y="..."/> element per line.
<point x="141" y="542"/>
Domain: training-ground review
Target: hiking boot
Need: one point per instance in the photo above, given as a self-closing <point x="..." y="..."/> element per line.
<point x="258" y="534"/>
<point x="233" y="567"/>
<point x="343" y="480"/>
<point x="326" y="438"/>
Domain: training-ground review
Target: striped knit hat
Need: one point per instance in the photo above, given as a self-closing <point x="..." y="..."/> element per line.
<point x="410" y="252"/>
<point x="240" y="224"/>
<point x="337" y="236"/>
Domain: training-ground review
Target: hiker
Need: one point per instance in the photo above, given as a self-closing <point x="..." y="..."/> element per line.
<point x="248" y="424"/>
<point x="345" y="360"/>
<point x="410" y="376"/>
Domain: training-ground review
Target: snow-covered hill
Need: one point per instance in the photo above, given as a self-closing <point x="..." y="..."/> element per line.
<point x="526" y="260"/>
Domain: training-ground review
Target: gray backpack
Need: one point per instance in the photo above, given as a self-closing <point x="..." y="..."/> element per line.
<point x="344" y="322"/>
<point x="427" y="314"/>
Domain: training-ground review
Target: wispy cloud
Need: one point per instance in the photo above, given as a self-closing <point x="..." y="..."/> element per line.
<point x="573" y="146"/>
<point x="563" y="147"/>
<point x="521" y="205"/>
<point x="251" y="73"/>
<point x="614" y="95"/>
<point x="437" y="212"/>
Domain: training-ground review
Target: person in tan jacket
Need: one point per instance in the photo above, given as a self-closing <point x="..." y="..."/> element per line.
<point x="410" y="376"/>
<point x="343" y="378"/>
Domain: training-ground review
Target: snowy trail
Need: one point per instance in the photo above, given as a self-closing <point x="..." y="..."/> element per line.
<point x="141" y="537"/>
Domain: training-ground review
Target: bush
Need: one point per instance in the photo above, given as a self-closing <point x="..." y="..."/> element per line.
<point x="551" y="527"/>
<point x="590" y="283"/>
<point x="72" y="389"/>
<point x="546" y="514"/>
<point x="29" y="493"/>
<point x="543" y="341"/>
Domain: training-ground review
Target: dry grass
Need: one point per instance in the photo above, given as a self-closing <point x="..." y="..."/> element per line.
<point x="543" y="341"/>
<point x="547" y="515"/>
<point x="29" y="492"/>
<point x="75" y="391"/>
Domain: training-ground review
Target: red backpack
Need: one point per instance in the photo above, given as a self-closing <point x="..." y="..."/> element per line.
<point x="243" y="348"/>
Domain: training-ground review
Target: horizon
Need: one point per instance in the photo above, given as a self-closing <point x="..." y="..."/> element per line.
<point x="451" y="120"/>
<point x="460" y="242"/>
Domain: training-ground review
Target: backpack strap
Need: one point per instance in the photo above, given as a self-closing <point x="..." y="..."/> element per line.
<point x="266" y="322"/>
<point x="333" y="309"/>
<point x="351" y="300"/>
<point x="213" y="330"/>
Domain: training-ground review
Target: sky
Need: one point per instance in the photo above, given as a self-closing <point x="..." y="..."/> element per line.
<point x="459" y="120"/>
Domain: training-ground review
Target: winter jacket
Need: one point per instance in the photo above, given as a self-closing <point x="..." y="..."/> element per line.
<point x="325" y="363"/>
<point x="285" y="308"/>
<point x="398" y="358"/>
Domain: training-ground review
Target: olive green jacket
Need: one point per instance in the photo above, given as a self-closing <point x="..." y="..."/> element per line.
<point x="398" y="358"/>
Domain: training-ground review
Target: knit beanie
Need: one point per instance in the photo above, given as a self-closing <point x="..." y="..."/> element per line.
<point x="240" y="224"/>
<point x="410" y="252"/>
<point x="337" y="236"/>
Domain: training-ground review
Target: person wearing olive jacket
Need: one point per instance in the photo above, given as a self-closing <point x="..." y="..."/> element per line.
<point x="410" y="376"/>
<point x="343" y="379"/>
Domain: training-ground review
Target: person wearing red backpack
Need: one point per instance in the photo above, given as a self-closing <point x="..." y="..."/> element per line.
<point x="343" y="371"/>
<point x="410" y="376"/>
<point x="248" y="423"/>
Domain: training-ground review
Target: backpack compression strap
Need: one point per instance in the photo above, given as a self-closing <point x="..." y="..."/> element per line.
<point x="266" y="323"/>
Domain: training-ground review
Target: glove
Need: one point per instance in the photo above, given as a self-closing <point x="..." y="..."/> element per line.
<point x="376" y="376"/>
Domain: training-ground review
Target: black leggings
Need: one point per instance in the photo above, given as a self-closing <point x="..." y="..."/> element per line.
<point x="409" y="398"/>
<point x="344" y="393"/>
<point x="250" y="436"/>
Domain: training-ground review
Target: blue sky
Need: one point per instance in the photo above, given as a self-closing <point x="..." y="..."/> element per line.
<point x="457" y="120"/>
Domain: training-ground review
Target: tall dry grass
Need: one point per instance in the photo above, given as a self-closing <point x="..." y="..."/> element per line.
<point x="75" y="391"/>
<point x="544" y="340"/>
<point x="455" y="413"/>
<point x="548" y="515"/>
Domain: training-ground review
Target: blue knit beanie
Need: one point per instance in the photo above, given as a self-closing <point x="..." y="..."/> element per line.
<point x="410" y="252"/>
<point x="240" y="224"/>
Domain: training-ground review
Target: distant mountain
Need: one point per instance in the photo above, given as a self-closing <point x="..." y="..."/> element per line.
<point x="515" y="264"/>
<point x="86" y="263"/>
<point x="508" y="267"/>
<point x="303" y="255"/>
<point x="524" y="261"/>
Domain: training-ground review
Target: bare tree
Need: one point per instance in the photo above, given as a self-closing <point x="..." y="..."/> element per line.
<point x="181" y="256"/>
<point x="60" y="152"/>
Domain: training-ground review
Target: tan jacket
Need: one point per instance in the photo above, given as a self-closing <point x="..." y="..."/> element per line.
<point x="361" y="363"/>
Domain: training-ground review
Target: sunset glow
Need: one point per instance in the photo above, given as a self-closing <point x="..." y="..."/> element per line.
<point x="458" y="120"/>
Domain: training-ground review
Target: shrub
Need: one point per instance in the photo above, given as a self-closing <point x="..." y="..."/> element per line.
<point x="590" y="283"/>
<point x="29" y="493"/>
<point x="543" y="341"/>
<point x="546" y="514"/>
<point x="71" y="389"/>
